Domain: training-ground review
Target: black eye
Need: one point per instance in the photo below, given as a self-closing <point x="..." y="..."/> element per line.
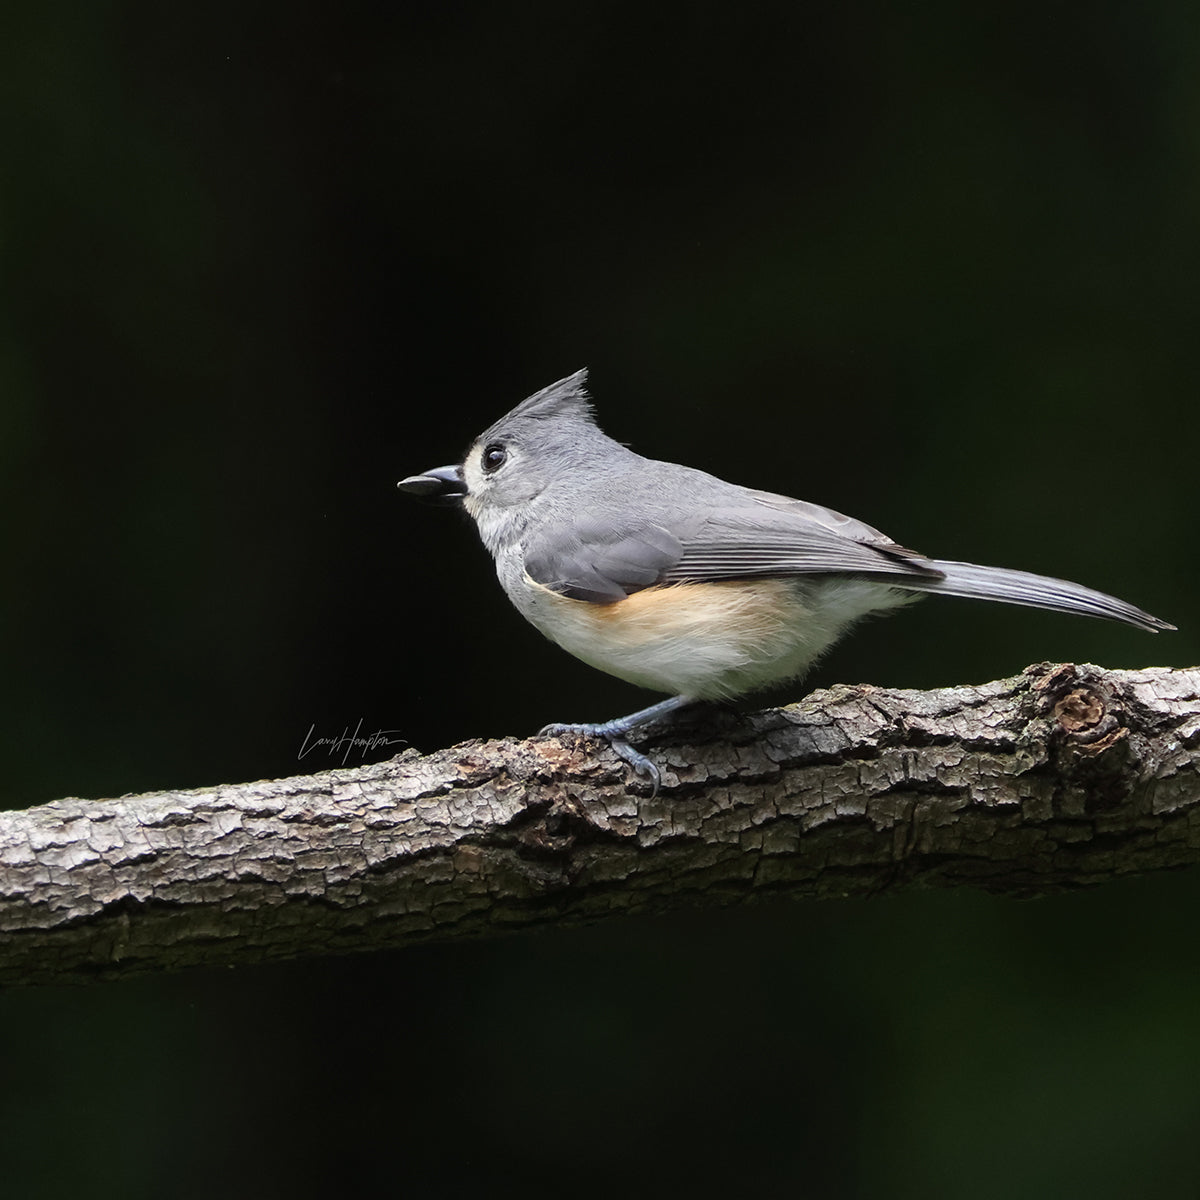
<point x="493" y="457"/>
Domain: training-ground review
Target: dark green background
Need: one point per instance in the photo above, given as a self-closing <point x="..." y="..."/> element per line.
<point x="939" y="269"/>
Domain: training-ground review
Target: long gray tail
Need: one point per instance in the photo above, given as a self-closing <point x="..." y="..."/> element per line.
<point x="1037" y="591"/>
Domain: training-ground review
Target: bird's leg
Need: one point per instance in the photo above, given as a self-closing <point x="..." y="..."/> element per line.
<point x="617" y="731"/>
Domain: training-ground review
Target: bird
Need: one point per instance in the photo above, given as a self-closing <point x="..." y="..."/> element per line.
<point x="677" y="581"/>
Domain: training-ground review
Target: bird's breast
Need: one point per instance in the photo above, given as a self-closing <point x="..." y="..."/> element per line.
<point x="703" y="640"/>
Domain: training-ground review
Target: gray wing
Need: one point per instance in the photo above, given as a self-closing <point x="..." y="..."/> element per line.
<point x="776" y="535"/>
<point x="602" y="559"/>
<point x="594" y="560"/>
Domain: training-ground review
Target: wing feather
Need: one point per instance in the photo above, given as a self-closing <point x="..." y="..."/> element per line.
<point x="602" y="558"/>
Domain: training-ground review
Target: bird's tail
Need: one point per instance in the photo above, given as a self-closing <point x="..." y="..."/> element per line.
<point x="1037" y="591"/>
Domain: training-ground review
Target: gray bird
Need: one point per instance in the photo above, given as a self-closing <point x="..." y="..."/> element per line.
<point x="679" y="582"/>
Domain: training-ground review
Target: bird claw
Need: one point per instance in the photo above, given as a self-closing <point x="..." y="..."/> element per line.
<point x="615" y="738"/>
<point x="638" y="761"/>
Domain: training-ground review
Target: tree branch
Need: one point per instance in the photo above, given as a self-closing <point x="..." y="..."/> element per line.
<point x="1061" y="777"/>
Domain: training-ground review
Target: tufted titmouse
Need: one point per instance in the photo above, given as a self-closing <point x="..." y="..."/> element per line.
<point x="677" y="581"/>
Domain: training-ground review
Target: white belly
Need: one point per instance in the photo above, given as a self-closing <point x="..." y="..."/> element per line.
<point x="707" y="641"/>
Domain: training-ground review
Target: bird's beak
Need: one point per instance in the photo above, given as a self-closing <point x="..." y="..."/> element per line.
<point x="442" y="485"/>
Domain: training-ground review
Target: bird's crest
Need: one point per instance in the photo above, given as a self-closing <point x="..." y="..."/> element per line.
<point x="567" y="397"/>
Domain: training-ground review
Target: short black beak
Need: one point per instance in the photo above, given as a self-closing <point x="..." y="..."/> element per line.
<point x="442" y="485"/>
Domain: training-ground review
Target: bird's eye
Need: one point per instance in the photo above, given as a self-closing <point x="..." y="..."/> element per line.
<point x="493" y="457"/>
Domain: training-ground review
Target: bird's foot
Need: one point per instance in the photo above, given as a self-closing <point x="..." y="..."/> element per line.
<point x="614" y="733"/>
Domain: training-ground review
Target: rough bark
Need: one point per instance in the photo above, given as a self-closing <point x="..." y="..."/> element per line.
<point x="1062" y="777"/>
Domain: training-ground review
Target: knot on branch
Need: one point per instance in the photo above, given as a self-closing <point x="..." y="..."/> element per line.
<point x="1090" y="746"/>
<point x="1086" y="707"/>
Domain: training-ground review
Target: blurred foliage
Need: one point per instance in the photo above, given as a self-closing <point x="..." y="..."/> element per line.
<point x="938" y="267"/>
